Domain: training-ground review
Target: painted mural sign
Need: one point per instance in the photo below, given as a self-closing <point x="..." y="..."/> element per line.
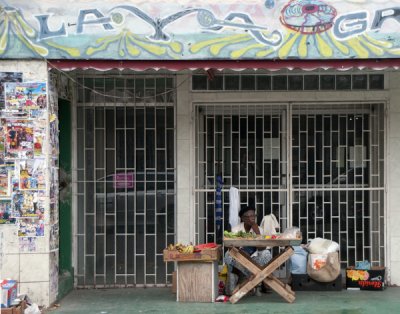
<point x="196" y="30"/>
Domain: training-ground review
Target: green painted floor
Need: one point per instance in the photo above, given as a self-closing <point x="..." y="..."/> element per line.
<point x="161" y="300"/>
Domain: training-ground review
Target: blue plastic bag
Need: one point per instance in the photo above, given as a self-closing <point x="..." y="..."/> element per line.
<point x="298" y="261"/>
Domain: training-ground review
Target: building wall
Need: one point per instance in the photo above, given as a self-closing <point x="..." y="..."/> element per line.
<point x="32" y="270"/>
<point x="184" y="128"/>
<point x="36" y="272"/>
<point x="393" y="179"/>
<point x="185" y="131"/>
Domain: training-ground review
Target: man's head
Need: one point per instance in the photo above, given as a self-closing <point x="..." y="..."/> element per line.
<point x="248" y="215"/>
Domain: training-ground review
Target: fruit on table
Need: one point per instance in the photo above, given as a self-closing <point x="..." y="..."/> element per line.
<point x="181" y="248"/>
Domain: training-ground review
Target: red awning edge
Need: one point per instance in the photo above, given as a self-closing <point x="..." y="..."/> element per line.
<point x="272" y="65"/>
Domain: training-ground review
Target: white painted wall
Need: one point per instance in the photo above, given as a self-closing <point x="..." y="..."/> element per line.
<point x="31" y="270"/>
<point x="184" y="148"/>
<point x="393" y="180"/>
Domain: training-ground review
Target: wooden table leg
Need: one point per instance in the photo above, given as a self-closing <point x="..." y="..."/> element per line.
<point x="263" y="274"/>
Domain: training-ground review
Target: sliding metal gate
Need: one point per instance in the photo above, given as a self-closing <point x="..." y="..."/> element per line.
<point x="319" y="167"/>
<point x="125" y="161"/>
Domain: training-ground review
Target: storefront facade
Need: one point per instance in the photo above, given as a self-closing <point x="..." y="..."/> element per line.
<point x="142" y="143"/>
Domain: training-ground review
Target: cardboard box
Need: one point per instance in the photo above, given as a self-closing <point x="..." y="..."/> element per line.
<point x="365" y="279"/>
<point x="19" y="309"/>
<point x="8" y="292"/>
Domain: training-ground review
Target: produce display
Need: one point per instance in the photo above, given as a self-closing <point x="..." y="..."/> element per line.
<point x="239" y="234"/>
<point x="181" y="248"/>
<point x="190" y="248"/>
<point x="248" y="235"/>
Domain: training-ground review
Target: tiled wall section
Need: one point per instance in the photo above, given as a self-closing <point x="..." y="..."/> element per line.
<point x="32" y="270"/>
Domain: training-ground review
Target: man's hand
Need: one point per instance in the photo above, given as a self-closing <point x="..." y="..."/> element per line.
<point x="255" y="228"/>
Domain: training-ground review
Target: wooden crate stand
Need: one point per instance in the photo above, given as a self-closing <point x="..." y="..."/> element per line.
<point x="197" y="274"/>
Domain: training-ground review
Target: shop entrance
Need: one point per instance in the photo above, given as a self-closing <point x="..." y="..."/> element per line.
<point x="125" y="169"/>
<point x="318" y="167"/>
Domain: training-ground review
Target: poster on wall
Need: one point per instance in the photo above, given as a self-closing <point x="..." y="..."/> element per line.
<point x="39" y="137"/>
<point x="54" y="135"/>
<point x="5" y="212"/>
<point x="2" y="142"/>
<point x="19" y="139"/>
<point x="54" y="236"/>
<point x="32" y="174"/>
<point x="28" y="227"/>
<point x="7" y="77"/>
<point x="53" y="213"/>
<point x="28" y="204"/>
<point x="27" y="245"/>
<point x="25" y="96"/>
<point x="5" y="182"/>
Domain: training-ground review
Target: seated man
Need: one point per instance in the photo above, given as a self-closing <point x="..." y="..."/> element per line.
<point x="260" y="256"/>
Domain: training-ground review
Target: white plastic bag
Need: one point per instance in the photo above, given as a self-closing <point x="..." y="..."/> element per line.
<point x="268" y="225"/>
<point x="32" y="309"/>
<point x="291" y="233"/>
<point x="322" y="246"/>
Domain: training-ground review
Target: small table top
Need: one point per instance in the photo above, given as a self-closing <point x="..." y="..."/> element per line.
<point x="260" y="242"/>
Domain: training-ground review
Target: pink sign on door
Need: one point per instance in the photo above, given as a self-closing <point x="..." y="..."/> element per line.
<point x="123" y="180"/>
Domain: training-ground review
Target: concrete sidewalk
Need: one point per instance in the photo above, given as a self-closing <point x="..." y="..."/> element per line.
<point x="161" y="300"/>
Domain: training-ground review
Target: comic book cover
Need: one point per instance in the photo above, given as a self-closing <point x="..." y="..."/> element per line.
<point x="5" y="212"/>
<point x="39" y="137"/>
<point x="5" y="182"/>
<point x="27" y="244"/>
<point x="8" y="77"/>
<point x="19" y="139"/>
<point x="28" y="204"/>
<point x="32" y="174"/>
<point x="29" y="227"/>
<point x="25" y="96"/>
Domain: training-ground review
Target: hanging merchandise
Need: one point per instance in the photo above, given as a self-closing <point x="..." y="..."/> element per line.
<point x="218" y="203"/>
<point x="234" y="207"/>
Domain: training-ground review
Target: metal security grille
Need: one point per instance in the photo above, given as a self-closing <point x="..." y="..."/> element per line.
<point x="246" y="147"/>
<point x="338" y="177"/>
<point x="336" y="171"/>
<point x="125" y="170"/>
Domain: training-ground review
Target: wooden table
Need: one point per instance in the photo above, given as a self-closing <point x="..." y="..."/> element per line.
<point x="262" y="273"/>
